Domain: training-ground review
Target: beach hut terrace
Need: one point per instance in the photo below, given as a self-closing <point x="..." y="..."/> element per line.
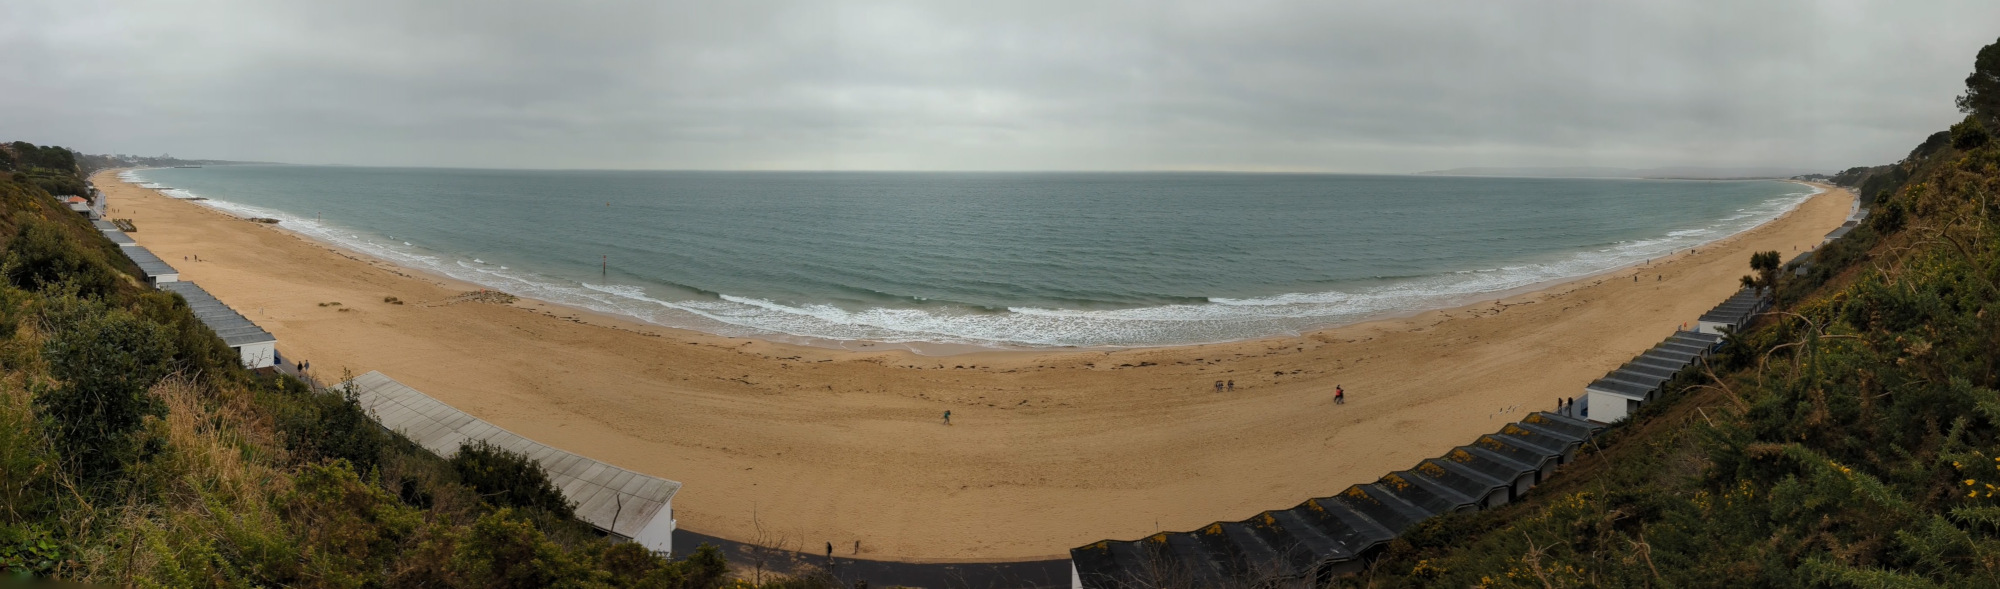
<point x="255" y="348"/>
<point x="1330" y="536"/>
<point x="620" y="502"/>
<point x="156" y="270"/>
<point x="1622" y="391"/>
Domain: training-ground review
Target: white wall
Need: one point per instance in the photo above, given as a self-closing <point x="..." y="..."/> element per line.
<point x="1606" y="407"/>
<point x="258" y="355"/>
<point x="658" y="535"/>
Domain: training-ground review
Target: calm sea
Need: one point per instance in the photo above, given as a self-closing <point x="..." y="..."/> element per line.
<point x="1003" y="259"/>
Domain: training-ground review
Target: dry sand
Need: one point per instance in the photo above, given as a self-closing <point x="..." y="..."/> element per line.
<point x="1047" y="450"/>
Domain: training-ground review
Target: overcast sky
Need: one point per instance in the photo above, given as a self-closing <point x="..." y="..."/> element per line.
<point x="1237" y="85"/>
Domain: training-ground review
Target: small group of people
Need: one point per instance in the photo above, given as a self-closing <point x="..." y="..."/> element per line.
<point x="1565" y="406"/>
<point x="1339" y="394"/>
<point x="302" y="366"/>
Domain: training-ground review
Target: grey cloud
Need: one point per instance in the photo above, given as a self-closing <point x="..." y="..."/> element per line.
<point x="1255" y="85"/>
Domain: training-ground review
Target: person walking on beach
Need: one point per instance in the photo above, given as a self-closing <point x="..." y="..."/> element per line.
<point x="947" y="417"/>
<point x="1339" y="395"/>
<point x="1232" y="386"/>
<point x="1218" y="386"/>
<point x="829" y="549"/>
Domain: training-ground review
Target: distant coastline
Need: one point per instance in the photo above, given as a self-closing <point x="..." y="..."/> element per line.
<point x="1600" y="172"/>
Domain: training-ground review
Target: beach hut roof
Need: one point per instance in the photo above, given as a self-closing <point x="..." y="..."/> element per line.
<point x="609" y="497"/>
<point x="232" y="327"/>
<point x="148" y="263"/>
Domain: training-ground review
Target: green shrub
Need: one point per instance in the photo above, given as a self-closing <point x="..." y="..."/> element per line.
<point x="509" y="478"/>
<point x="42" y="256"/>
<point x="104" y="360"/>
<point x="329" y="426"/>
<point x="503" y="551"/>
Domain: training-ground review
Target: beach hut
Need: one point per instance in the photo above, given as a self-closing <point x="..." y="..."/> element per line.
<point x="254" y="347"/>
<point x="80" y="205"/>
<point x="625" y="504"/>
<point x="156" y="270"/>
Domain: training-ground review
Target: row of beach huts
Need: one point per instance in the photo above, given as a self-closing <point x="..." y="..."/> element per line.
<point x="622" y="503"/>
<point x="1326" y="537"/>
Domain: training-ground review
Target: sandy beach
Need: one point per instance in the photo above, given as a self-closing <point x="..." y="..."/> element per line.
<point x="1047" y="450"/>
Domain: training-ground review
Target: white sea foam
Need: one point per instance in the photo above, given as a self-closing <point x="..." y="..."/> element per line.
<point x="1216" y="319"/>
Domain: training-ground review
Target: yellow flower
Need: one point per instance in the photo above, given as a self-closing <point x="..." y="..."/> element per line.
<point x="1968" y="482"/>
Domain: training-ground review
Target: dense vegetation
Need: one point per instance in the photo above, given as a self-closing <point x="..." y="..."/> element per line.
<point x="134" y="451"/>
<point x="1850" y="439"/>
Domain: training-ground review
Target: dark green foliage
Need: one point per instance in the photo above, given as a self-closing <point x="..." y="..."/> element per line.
<point x="28" y="551"/>
<point x="42" y="255"/>
<point x="1885" y="182"/>
<point x="53" y="169"/>
<point x="1765" y="264"/>
<point x="105" y="359"/>
<point x="52" y="158"/>
<point x="504" y="552"/>
<point x="705" y="569"/>
<point x="1969" y="134"/>
<point x="508" y="478"/>
<point x="199" y="349"/>
<point x="1933" y="144"/>
<point x="1982" y="86"/>
<point x="329" y="426"/>
<point x="1889" y="217"/>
